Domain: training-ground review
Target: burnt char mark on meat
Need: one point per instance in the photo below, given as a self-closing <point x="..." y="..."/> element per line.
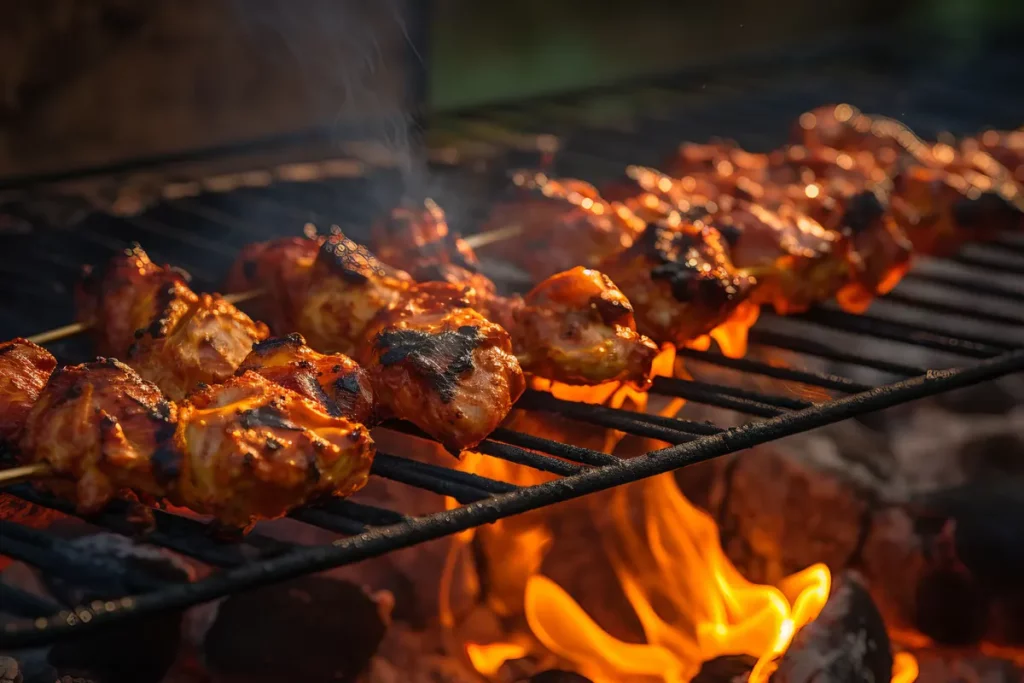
<point x="312" y="388"/>
<point x="267" y="416"/>
<point x="668" y="249"/>
<point x="158" y="328"/>
<point x="863" y="210"/>
<point x="439" y="358"/>
<point x="167" y="463"/>
<point x="293" y="339"/>
<point x="349" y="383"/>
<point x="989" y="210"/>
<point x="612" y="311"/>
<point x="7" y="347"/>
<point x="673" y="252"/>
<point x="353" y="262"/>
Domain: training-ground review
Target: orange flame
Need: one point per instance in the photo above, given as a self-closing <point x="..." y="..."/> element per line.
<point x="732" y="334"/>
<point x="691" y="602"/>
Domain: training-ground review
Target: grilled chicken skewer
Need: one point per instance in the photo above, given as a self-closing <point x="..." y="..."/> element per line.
<point x="433" y="359"/>
<point x="575" y="327"/>
<point x="677" y="273"/>
<point x="181" y="340"/>
<point x="241" y="451"/>
<point x="173" y="337"/>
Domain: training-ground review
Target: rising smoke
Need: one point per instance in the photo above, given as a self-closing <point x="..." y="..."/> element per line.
<point x="353" y="59"/>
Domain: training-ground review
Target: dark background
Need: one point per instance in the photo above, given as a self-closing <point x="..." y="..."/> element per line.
<point x="90" y="83"/>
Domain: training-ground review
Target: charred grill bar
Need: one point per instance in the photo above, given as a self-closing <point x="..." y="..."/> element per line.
<point x="203" y="232"/>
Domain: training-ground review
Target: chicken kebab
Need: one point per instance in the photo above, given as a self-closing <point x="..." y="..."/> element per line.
<point x="944" y="194"/>
<point x="574" y="327"/>
<point x="453" y="374"/>
<point x="677" y="273"/>
<point x="838" y="213"/>
<point x="241" y="451"/>
<point x="420" y="337"/>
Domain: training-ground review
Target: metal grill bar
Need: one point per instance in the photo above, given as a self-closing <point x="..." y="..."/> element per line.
<point x="945" y="307"/>
<point x="655" y="426"/>
<point x="734" y="398"/>
<point x="186" y="536"/>
<point x="810" y="347"/>
<point x="381" y="540"/>
<point x="823" y="380"/>
<point x="20" y="603"/>
<point x="970" y="283"/>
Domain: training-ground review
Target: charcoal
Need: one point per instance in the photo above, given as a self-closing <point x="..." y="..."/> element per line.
<point x="847" y="643"/>
<point x="311" y="629"/>
<point x="975" y="551"/>
<point x="557" y="676"/>
<point x="726" y="669"/>
<point x="140" y="651"/>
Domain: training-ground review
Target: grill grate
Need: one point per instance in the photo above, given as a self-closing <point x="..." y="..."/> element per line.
<point x="962" y="314"/>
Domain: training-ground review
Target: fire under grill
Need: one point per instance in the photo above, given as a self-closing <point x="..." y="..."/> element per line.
<point x="964" y="316"/>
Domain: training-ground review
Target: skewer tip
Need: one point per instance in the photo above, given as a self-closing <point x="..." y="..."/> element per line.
<point x="22" y="473"/>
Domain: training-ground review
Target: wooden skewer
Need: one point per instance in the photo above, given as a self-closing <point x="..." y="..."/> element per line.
<point x="71" y="330"/>
<point x="16" y="475"/>
<point x="77" y="328"/>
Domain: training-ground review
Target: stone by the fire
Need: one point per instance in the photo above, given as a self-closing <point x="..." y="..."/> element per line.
<point x="139" y="651"/>
<point x="726" y="669"/>
<point x="847" y="643"/>
<point x="312" y="629"/>
<point x="557" y="676"/>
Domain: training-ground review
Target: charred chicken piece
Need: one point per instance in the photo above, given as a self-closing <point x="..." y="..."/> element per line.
<point x="441" y="365"/>
<point x="178" y="338"/>
<point x="106" y="428"/>
<point x="334" y="381"/>
<point x="348" y="287"/>
<point x="940" y="210"/>
<point x="680" y="280"/>
<point x="197" y="339"/>
<point x="565" y="223"/>
<point x="577" y="327"/>
<point x="252" y="450"/>
<point x="574" y="327"/>
<point x="24" y="370"/>
<point x="797" y="260"/>
<point x="418" y="241"/>
<point x="123" y="295"/>
<point x="283" y="267"/>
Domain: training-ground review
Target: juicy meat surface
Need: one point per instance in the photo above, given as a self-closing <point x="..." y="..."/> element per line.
<point x="106" y="428"/>
<point x="148" y="316"/>
<point x="564" y="223"/>
<point x="577" y="327"/>
<point x="348" y="287"/>
<point x="419" y="241"/>
<point x="197" y="339"/>
<point x="283" y="267"/>
<point x="24" y="370"/>
<point x="251" y="450"/>
<point x="334" y="381"/>
<point x="441" y="365"/>
<point x="123" y="295"/>
<point x="679" y="279"/>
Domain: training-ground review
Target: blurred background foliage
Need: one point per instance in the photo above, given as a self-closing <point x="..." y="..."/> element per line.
<point x="490" y="51"/>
